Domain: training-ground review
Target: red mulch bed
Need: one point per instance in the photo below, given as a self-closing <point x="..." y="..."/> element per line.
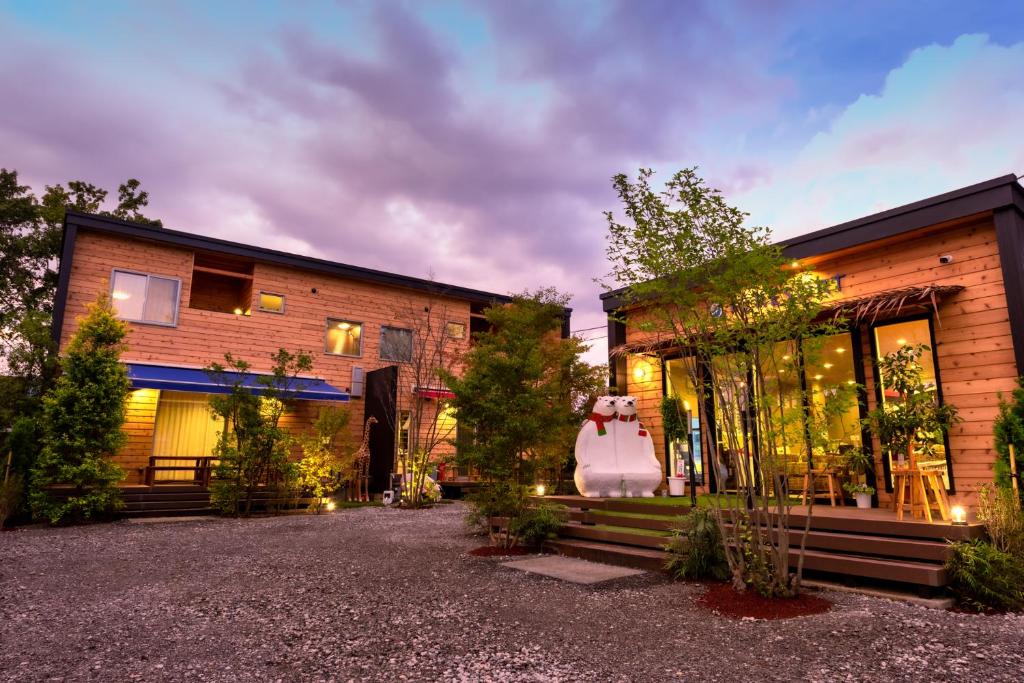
<point x="494" y="551"/>
<point x="722" y="599"/>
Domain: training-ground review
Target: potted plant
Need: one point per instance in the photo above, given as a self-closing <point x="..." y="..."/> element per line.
<point x="858" y="462"/>
<point x="861" y="492"/>
<point x="674" y="424"/>
<point x="915" y="420"/>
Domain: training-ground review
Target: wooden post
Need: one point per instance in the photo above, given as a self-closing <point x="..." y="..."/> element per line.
<point x="1013" y="468"/>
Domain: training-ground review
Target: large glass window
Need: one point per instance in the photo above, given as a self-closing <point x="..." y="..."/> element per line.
<point x="395" y="344"/>
<point x="679" y="384"/>
<point x="344" y="337"/>
<point x="780" y="411"/>
<point x="830" y="377"/>
<point x="145" y="298"/>
<point x="889" y="338"/>
<point x="736" y="462"/>
<point x="185" y="427"/>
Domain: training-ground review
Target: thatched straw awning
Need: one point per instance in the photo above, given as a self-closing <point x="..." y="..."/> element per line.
<point x="891" y="302"/>
<point x="861" y="309"/>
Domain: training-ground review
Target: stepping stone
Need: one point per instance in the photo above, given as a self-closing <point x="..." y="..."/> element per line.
<point x="572" y="570"/>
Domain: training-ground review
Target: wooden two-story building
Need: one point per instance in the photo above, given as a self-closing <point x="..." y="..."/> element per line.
<point x="189" y="299"/>
<point x="947" y="271"/>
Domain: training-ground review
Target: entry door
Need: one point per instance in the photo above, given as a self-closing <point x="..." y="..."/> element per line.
<point x="381" y="399"/>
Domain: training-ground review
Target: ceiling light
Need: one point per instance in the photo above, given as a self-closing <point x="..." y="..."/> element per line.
<point x="901" y="341"/>
<point x="826" y="365"/>
<point x="850" y="381"/>
<point x="344" y="326"/>
<point x="795" y="264"/>
<point x="786" y="357"/>
<point x="818" y="376"/>
<point x="840" y="349"/>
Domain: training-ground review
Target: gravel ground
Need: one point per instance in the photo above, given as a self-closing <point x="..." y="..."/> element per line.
<point x="373" y="594"/>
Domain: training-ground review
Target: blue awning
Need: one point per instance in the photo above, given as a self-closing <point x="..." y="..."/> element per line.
<point x="189" y="379"/>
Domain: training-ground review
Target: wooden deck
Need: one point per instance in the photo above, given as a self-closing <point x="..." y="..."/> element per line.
<point x="842" y="541"/>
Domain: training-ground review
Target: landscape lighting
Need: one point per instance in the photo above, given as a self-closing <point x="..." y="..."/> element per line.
<point x="959" y="515"/>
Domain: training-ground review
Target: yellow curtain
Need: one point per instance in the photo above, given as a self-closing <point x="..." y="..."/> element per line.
<point x="185" y="427"/>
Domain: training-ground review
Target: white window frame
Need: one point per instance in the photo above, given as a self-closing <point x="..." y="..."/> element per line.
<point x="149" y="277"/>
<point x="259" y="306"/>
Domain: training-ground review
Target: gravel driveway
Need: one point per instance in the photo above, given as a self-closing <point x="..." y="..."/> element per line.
<point x="378" y="594"/>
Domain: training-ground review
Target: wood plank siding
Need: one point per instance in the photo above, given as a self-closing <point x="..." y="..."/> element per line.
<point x="974" y="344"/>
<point x="202" y="336"/>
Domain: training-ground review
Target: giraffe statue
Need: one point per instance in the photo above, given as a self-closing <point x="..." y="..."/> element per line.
<point x="362" y="463"/>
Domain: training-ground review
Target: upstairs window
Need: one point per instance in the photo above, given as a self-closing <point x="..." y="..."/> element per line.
<point x="456" y="330"/>
<point x="143" y="298"/>
<point x="221" y="284"/>
<point x="344" y="337"/>
<point x="271" y="303"/>
<point x="395" y="344"/>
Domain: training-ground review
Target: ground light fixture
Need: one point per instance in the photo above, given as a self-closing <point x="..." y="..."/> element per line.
<point x="958" y="515"/>
<point x="541" y="489"/>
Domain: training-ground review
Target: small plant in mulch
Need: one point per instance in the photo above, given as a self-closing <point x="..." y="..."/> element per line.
<point x="723" y="600"/>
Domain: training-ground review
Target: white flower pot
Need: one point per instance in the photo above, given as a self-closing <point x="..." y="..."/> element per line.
<point x="676" y="486"/>
<point x="863" y="500"/>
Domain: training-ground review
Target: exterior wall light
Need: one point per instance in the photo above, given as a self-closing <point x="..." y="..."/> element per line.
<point x="958" y="515"/>
<point x="642" y="371"/>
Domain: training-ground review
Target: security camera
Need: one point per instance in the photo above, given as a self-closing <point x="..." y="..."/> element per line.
<point x="945" y="259"/>
<point x="313" y="290"/>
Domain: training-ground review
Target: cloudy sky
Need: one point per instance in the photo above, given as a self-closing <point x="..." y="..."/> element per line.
<point x="476" y="140"/>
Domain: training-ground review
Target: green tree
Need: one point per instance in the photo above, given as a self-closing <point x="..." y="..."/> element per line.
<point x="521" y="394"/>
<point x="699" y="277"/>
<point x="30" y="240"/>
<point x="253" y="448"/>
<point x="327" y="455"/>
<point x="81" y="423"/>
<point x="1009" y="430"/>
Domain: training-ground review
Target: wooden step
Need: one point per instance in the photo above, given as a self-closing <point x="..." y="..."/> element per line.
<point x="157" y="512"/>
<point x="611" y="519"/>
<point x="613" y="505"/>
<point x="865" y="544"/>
<point x="882" y="524"/>
<point x="619" y="555"/>
<point x="592" y="533"/>
<point x="887" y="569"/>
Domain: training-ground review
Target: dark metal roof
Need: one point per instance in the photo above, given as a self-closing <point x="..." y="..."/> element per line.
<point x="204" y="243"/>
<point x="988" y="196"/>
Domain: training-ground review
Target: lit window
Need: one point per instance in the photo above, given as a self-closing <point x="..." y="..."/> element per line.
<point x="271" y="303"/>
<point x="145" y="298"/>
<point x="344" y="337"/>
<point x="395" y="344"/>
<point x="456" y="330"/>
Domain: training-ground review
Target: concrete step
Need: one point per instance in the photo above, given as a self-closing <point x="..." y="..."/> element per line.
<point x="609" y="553"/>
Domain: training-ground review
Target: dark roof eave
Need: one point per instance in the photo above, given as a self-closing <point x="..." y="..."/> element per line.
<point x="979" y="198"/>
<point x="202" y="242"/>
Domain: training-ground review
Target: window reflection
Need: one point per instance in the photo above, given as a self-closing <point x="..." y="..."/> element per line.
<point x="679" y="383"/>
<point x="889" y="338"/>
<point x="832" y="395"/>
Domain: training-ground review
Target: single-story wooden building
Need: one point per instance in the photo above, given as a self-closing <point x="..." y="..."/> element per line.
<point x="947" y="271"/>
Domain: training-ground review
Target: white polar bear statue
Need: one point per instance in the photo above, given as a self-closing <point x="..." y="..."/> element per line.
<point x="634" y="448"/>
<point x="597" y="471"/>
<point x="614" y="453"/>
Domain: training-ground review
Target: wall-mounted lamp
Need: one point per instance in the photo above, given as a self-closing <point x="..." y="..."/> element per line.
<point x="642" y="371"/>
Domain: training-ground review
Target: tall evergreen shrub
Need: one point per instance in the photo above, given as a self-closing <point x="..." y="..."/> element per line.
<point x="83" y="414"/>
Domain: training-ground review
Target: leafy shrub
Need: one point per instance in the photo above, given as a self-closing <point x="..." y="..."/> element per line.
<point x="696" y="552"/>
<point x="985" y="578"/>
<point x="1000" y="512"/>
<point x="10" y="497"/>
<point x="535" y="525"/>
<point x="1008" y="429"/>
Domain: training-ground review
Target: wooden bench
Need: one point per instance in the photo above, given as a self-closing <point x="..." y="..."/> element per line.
<point x="200" y="466"/>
